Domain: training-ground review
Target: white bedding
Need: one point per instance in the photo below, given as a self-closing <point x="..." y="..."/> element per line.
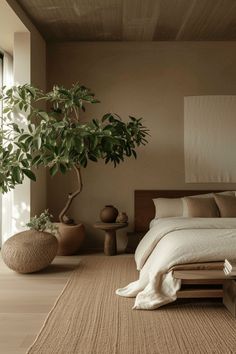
<point x="173" y="241"/>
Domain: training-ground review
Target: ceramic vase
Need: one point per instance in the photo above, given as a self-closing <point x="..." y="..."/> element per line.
<point x="122" y="217"/>
<point x="109" y="214"/>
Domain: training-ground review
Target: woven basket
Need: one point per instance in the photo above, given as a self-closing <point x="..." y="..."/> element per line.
<point x="29" y="251"/>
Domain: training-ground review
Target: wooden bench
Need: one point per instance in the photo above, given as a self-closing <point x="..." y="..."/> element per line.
<point x="200" y="280"/>
<point x="208" y="284"/>
<point x="229" y="295"/>
<point x="200" y="283"/>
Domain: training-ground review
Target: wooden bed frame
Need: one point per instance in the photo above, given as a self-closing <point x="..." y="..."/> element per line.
<point x="144" y="210"/>
<point x="195" y="283"/>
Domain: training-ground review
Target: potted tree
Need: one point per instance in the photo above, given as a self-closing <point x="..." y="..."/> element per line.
<point x="56" y="138"/>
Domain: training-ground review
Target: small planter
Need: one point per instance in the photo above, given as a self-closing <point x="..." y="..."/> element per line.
<point x="70" y="238"/>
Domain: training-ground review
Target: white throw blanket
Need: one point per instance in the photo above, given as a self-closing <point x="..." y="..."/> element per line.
<point x="173" y="241"/>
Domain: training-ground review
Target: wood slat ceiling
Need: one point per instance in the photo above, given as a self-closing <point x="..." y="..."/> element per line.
<point x="136" y="20"/>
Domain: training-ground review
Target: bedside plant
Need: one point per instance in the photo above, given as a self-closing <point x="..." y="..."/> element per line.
<point x="43" y="223"/>
<point x="57" y="139"/>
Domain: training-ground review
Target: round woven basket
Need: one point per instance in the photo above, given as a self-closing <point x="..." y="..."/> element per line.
<point x="29" y="251"/>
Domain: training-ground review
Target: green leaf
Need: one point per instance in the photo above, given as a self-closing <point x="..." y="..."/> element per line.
<point x="39" y="142"/>
<point x="134" y="153"/>
<point x="84" y="161"/>
<point x="60" y="124"/>
<point x="10" y="147"/>
<point x="6" y="110"/>
<point x="43" y="115"/>
<point x="63" y="168"/>
<point x="106" y="117"/>
<point x="23" y="137"/>
<point x="25" y="163"/>
<point x="93" y="158"/>
<point x="95" y="101"/>
<point x="36" y="159"/>
<point x="31" y="90"/>
<point x="16" y="174"/>
<point x="29" y="174"/>
<point x="16" y="127"/>
<point x="31" y="127"/>
<point x="53" y="170"/>
<point x="95" y="122"/>
<point x="28" y="141"/>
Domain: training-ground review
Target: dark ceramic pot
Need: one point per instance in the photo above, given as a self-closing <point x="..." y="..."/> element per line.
<point x="109" y="214"/>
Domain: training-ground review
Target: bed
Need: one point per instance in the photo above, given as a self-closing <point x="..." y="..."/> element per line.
<point x="203" y="276"/>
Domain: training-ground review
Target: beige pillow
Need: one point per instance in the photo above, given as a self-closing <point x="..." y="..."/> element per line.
<point x="201" y="207"/>
<point x="207" y="195"/>
<point x="226" y="205"/>
<point x="168" y="207"/>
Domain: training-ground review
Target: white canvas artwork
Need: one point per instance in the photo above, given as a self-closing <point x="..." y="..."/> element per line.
<point x="210" y="139"/>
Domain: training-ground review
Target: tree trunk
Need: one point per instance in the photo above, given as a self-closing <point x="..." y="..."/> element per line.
<point x="62" y="216"/>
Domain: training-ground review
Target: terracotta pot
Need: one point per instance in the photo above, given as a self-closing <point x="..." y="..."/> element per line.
<point x="122" y="217"/>
<point x="108" y="214"/>
<point x="70" y="238"/>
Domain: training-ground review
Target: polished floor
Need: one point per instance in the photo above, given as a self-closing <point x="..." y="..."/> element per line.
<point x="25" y="301"/>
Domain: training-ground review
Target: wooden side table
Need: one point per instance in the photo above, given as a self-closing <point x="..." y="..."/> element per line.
<point x="110" y="247"/>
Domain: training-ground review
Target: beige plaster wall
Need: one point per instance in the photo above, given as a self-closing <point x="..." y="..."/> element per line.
<point x="38" y="78"/>
<point x="146" y="80"/>
<point x="38" y="190"/>
<point x="9" y="24"/>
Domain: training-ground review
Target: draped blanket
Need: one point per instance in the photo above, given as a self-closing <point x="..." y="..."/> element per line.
<point x="175" y="241"/>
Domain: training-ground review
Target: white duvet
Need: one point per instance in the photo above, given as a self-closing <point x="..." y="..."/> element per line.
<point x="174" y="241"/>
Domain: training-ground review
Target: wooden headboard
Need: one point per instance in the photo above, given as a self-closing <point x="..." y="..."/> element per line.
<point x="144" y="210"/>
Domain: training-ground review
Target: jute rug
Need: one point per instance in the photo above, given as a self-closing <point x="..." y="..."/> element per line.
<point x="88" y="318"/>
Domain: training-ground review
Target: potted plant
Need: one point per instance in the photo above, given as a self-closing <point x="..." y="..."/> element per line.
<point x="56" y="138"/>
<point x="43" y="223"/>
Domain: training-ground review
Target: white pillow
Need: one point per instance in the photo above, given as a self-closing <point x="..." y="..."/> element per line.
<point x="174" y="207"/>
<point x="207" y="195"/>
<point x="168" y="207"/>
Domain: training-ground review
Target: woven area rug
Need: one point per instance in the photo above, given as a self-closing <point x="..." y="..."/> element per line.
<point x="88" y="318"/>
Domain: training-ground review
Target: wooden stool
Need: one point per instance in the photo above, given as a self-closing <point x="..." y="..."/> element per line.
<point x="29" y="251"/>
<point x="110" y="247"/>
